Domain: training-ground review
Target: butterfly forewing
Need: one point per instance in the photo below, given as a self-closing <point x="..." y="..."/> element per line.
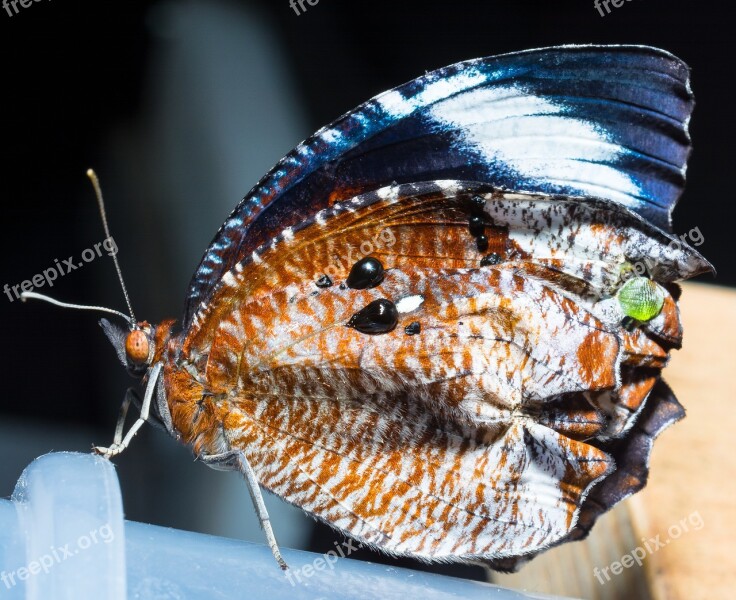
<point x="574" y="120"/>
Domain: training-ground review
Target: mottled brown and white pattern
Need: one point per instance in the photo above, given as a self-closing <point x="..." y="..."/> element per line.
<point x="478" y="438"/>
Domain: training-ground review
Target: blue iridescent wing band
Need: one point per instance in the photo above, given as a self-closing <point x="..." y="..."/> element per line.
<point x="595" y="121"/>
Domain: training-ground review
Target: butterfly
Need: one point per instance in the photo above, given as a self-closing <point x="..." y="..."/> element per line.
<point x="438" y="325"/>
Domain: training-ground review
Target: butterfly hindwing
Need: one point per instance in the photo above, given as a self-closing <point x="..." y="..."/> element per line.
<point x="398" y="480"/>
<point x="484" y="420"/>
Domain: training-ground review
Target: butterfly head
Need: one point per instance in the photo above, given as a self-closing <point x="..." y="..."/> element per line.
<point x="138" y="348"/>
<point x="135" y="344"/>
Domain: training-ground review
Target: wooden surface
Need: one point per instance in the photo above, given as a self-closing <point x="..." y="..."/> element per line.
<point x="690" y="502"/>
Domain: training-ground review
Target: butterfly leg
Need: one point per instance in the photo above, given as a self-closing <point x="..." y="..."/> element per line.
<point x="119" y="443"/>
<point x="238" y="460"/>
<point x="130" y="396"/>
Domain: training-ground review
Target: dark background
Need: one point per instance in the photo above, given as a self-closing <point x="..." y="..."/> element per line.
<point x="77" y="76"/>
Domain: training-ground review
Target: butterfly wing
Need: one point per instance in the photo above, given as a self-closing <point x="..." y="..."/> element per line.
<point x="631" y="455"/>
<point x="475" y="438"/>
<point x="594" y="121"/>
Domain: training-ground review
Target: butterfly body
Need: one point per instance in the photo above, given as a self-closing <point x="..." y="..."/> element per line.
<point x="412" y="327"/>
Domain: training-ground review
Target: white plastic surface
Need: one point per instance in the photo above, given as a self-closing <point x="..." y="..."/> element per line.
<point x="63" y="536"/>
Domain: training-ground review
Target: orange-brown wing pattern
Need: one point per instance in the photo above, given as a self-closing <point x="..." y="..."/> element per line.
<point x="474" y="425"/>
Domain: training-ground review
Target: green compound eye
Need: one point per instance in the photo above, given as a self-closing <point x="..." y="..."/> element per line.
<point x="640" y="298"/>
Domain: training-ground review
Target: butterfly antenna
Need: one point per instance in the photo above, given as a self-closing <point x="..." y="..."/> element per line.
<point x="34" y="296"/>
<point x="101" y="203"/>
